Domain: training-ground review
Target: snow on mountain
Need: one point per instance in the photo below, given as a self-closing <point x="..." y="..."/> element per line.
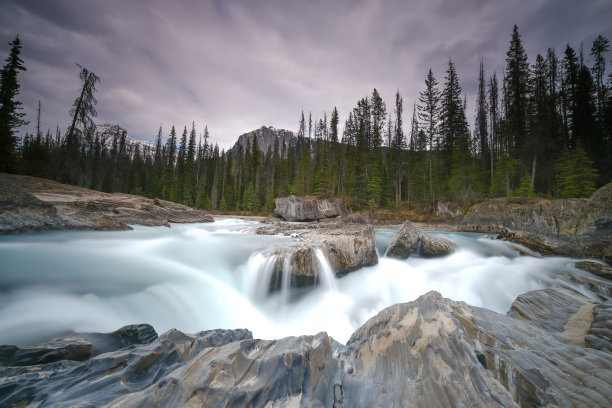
<point x="107" y="133"/>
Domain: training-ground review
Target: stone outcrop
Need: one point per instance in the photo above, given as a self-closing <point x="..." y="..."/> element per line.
<point x="346" y="248"/>
<point x="34" y="204"/>
<point x="306" y="208"/>
<point x="577" y="227"/>
<point x="552" y="349"/>
<point x="409" y="240"/>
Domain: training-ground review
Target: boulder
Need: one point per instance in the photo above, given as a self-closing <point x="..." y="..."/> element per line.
<point x="306" y="208"/>
<point x="34" y="204"/>
<point x="434" y="246"/>
<point x="123" y="337"/>
<point x="409" y="240"/>
<point x="406" y="242"/>
<point x="345" y="248"/>
<point x="596" y="268"/>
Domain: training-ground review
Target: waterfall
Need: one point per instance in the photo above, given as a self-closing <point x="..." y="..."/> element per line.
<point x="205" y="276"/>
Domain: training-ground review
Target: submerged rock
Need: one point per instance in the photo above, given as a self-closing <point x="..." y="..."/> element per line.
<point x="306" y="208"/>
<point x="34" y="204"/>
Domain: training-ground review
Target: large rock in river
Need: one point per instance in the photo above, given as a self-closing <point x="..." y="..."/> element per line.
<point x="344" y="248"/>
<point x="34" y="204"/>
<point x="409" y="240"/>
<point x="306" y="208"/>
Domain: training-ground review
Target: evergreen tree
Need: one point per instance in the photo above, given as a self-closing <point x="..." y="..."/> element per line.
<point x="517" y="88"/>
<point x="600" y="47"/>
<point x="10" y="116"/>
<point x="429" y="114"/>
<point x="452" y="115"/>
<point x="83" y="111"/>
<point x="575" y="174"/>
<point x="481" y="128"/>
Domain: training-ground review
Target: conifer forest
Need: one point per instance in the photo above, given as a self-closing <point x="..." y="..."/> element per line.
<point x="542" y="127"/>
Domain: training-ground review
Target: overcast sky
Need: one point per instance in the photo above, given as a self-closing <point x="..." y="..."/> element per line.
<point x="238" y="65"/>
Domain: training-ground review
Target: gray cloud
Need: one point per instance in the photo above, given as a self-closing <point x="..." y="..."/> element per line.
<point x="238" y="65"/>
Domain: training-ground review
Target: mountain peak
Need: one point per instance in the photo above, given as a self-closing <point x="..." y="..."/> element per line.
<point x="266" y="137"/>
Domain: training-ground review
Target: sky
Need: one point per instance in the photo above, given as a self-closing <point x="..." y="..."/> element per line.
<point x="235" y="66"/>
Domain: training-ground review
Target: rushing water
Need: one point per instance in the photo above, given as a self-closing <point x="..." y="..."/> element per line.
<point x="202" y="276"/>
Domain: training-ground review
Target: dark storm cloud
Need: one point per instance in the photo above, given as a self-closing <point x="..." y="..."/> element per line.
<point x="237" y="65"/>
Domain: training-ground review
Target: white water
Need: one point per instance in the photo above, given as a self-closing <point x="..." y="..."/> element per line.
<point x="205" y="276"/>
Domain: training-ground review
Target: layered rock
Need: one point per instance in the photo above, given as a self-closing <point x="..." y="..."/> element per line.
<point x="34" y="204"/>
<point x="577" y="227"/>
<point x="409" y="240"/>
<point x="345" y="248"/>
<point x="429" y="352"/>
<point x="306" y="208"/>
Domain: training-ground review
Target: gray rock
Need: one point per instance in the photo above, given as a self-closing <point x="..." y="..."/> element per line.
<point x="106" y="378"/>
<point x="599" y="335"/>
<point x="405" y="243"/>
<point x="596" y="268"/>
<point x="306" y="208"/>
<point x="124" y="337"/>
<point x="409" y="240"/>
<point x="562" y="312"/>
<point x="577" y="227"/>
<point x="434" y="246"/>
<point x="447" y="210"/>
<point x="417" y="354"/>
<point x="69" y="347"/>
<point x="346" y="248"/>
<point x="34" y="204"/>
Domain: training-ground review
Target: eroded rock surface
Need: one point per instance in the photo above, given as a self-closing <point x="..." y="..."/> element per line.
<point x="34" y="204"/>
<point x="306" y="208"/>
<point x="346" y="248"/>
<point x="577" y="227"/>
<point x="425" y="353"/>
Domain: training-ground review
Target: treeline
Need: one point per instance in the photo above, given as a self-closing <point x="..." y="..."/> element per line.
<point x="542" y="129"/>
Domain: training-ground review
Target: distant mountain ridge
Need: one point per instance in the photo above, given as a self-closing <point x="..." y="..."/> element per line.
<point x="107" y="132"/>
<point x="266" y="137"/>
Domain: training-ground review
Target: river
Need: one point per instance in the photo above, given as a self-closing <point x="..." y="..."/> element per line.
<point x="196" y="277"/>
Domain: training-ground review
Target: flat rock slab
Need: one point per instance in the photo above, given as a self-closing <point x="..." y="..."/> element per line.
<point x="34" y="204"/>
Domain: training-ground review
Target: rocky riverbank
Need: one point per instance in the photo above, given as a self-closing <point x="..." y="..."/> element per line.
<point x="34" y="204"/>
<point x="551" y="349"/>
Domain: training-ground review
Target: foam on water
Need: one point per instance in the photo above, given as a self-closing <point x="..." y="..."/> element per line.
<point x="205" y="276"/>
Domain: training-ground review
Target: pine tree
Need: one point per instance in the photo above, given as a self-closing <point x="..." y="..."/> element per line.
<point x="575" y="174"/>
<point x="11" y="117"/>
<point x="517" y="87"/>
<point x="453" y="123"/>
<point x="600" y="47"/>
<point x="429" y="114"/>
<point x="83" y="111"/>
<point x="481" y="128"/>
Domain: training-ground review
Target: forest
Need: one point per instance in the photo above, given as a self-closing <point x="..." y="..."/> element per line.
<point x="540" y="130"/>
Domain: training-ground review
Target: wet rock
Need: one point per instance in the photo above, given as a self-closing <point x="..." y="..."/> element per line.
<point x="109" y="376"/>
<point x="306" y="208"/>
<point x="405" y="243"/>
<point x="294" y="371"/>
<point x="434" y="246"/>
<point x="599" y="335"/>
<point x="70" y="347"/>
<point x="562" y="312"/>
<point x="345" y="248"/>
<point x="410" y="240"/>
<point x="124" y="337"/>
<point x="596" y="268"/>
<point x="34" y="204"/>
